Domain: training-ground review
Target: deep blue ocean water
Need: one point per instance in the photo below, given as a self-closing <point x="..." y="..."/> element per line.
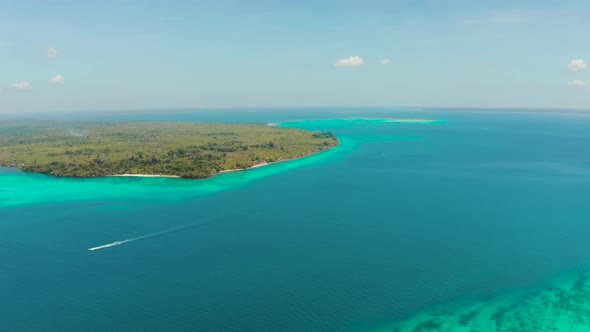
<point x="412" y="216"/>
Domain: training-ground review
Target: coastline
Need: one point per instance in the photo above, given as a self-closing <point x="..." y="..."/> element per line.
<point x="276" y="162"/>
<point x="175" y="149"/>
<point x="26" y="188"/>
<point x="179" y="177"/>
<point x="251" y="167"/>
<point x="146" y="175"/>
<point x="226" y="170"/>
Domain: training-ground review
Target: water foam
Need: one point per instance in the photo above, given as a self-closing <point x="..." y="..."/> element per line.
<point x="170" y="230"/>
<point x="118" y="243"/>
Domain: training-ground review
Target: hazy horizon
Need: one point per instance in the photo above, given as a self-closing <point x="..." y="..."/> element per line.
<point x="357" y="109"/>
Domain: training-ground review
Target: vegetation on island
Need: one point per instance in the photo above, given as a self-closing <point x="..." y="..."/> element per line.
<point x="185" y="149"/>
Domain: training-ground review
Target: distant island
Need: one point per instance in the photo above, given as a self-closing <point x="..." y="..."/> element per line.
<point x="179" y="149"/>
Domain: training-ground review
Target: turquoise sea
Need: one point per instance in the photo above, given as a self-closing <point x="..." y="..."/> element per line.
<point x="479" y="221"/>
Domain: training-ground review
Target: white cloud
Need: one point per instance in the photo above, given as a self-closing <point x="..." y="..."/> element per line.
<point x="57" y="79"/>
<point x="52" y="52"/>
<point x="22" y="85"/>
<point x="577" y="84"/>
<point x="577" y="65"/>
<point x="385" y="61"/>
<point x="353" y="61"/>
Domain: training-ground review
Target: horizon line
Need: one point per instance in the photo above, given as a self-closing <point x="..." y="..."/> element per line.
<point x="210" y="108"/>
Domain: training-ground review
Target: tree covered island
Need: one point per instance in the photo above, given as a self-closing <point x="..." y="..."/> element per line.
<point x="184" y="149"/>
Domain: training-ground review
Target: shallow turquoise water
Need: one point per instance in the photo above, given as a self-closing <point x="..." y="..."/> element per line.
<point x="400" y="219"/>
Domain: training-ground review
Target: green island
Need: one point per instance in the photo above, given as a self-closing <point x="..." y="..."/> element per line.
<point x="180" y="149"/>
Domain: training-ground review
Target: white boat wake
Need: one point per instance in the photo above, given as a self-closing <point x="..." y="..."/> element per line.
<point x="175" y="229"/>
<point x="118" y="243"/>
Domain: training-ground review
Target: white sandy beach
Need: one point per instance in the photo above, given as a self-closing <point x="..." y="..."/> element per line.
<point x="148" y="175"/>
<point x="176" y="176"/>
<point x="244" y="169"/>
<point x="227" y="170"/>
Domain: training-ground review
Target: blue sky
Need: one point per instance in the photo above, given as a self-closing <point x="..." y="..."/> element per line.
<point x="109" y="55"/>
